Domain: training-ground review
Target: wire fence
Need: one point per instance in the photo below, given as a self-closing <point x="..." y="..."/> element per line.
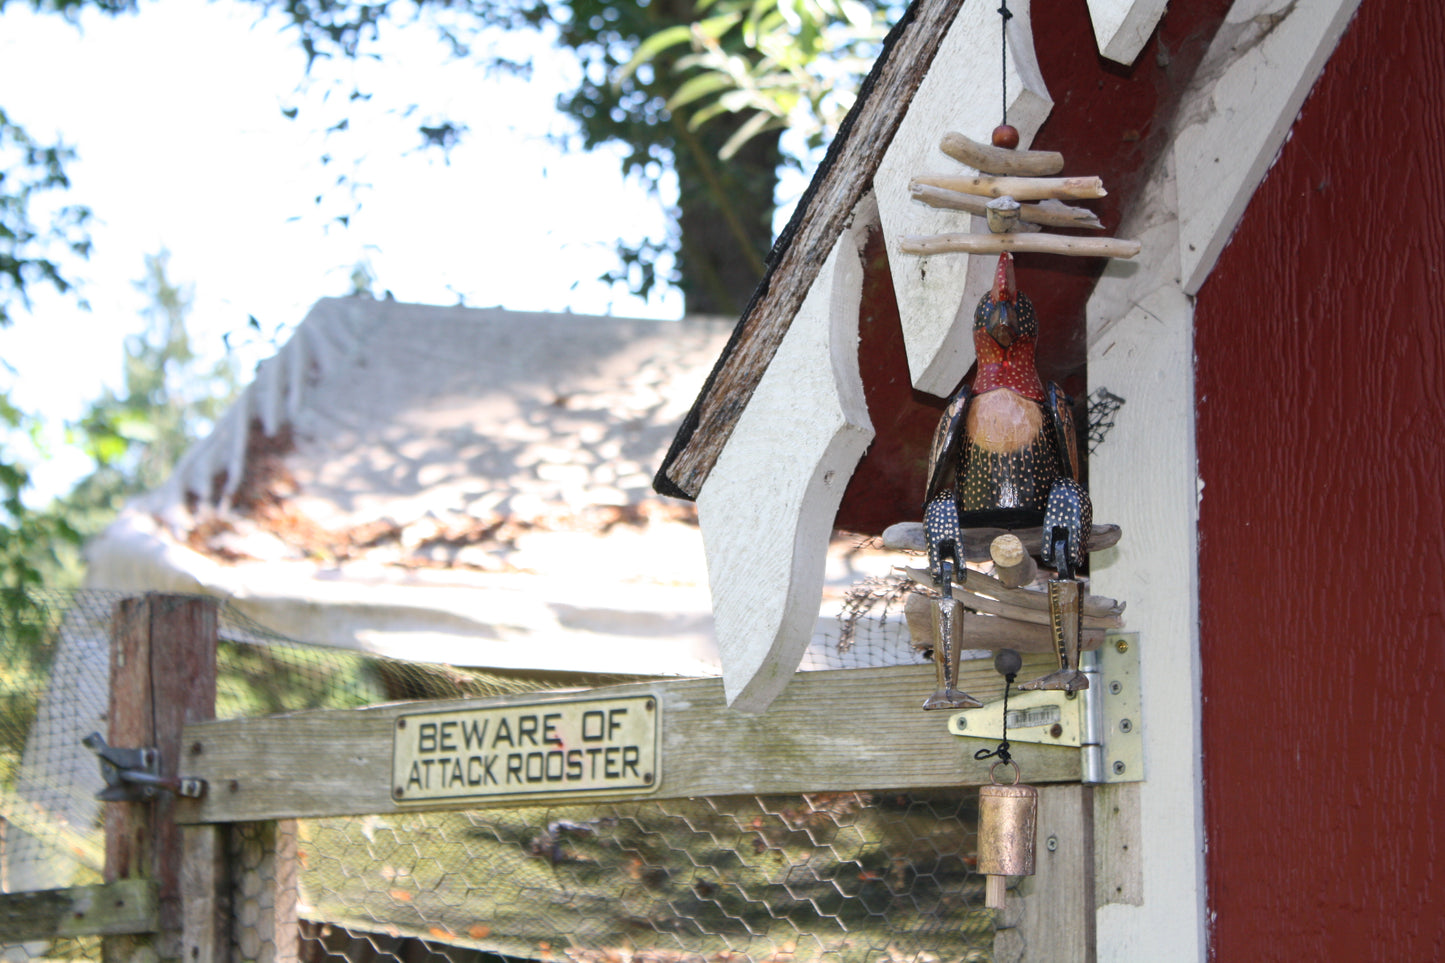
<point x="874" y="876"/>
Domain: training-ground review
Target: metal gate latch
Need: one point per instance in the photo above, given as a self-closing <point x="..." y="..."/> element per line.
<point x="133" y="775"/>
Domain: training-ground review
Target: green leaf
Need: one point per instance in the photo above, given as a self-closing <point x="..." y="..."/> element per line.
<point x="698" y="87"/>
<point x="753" y="126"/>
<point x="651" y="47"/>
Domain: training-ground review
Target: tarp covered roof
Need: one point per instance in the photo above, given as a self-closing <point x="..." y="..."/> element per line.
<point x="428" y="482"/>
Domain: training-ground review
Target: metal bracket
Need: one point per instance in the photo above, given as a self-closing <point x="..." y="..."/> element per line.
<point x="133" y="775"/>
<point x="1103" y="721"/>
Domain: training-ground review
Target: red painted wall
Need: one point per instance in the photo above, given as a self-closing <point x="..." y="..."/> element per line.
<point x="1320" y="377"/>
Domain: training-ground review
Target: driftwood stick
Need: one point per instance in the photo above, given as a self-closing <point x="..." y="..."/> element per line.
<point x="1018" y="243"/>
<point x="1011" y="564"/>
<point x="988" y="631"/>
<point x="988" y="159"/>
<point x="1032" y="615"/>
<point x="1019" y="188"/>
<point x="1050" y="213"/>
<point x="939" y="198"/>
<point x="908" y="537"/>
<point x="980" y="586"/>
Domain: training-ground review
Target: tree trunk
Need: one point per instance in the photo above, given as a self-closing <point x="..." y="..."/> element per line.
<point x="726" y="219"/>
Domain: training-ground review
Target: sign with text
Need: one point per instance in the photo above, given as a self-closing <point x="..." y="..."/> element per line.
<point x="581" y="745"/>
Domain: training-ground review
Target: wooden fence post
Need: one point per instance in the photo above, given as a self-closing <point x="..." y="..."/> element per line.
<point x="1052" y="920"/>
<point x="163" y="676"/>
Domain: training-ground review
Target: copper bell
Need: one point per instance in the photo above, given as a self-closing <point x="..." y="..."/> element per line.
<point x="1007" y="819"/>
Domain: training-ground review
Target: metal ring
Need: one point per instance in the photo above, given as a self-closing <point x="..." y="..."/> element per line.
<point x="1018" y="774"/>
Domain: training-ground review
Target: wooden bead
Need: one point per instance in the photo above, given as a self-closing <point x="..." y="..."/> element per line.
<point x="1006" y="136"/>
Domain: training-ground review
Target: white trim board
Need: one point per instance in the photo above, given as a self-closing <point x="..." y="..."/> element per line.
<point x="1230" y="127"/>
<point x="1244" y="98"/>
<point x="768" y="507"/>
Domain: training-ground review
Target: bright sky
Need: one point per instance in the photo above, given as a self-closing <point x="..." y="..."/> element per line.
<point x="177" y="117"/>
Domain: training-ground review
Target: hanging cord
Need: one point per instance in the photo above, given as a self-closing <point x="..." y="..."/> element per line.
<point x="1007" y="663"/>
<point x="1004" y="16"/>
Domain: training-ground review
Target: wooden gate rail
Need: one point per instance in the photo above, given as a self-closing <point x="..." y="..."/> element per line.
<point x="110" y="909"/>
<point x="830" y="731"/>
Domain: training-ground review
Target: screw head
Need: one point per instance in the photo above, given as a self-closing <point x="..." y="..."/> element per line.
<point x="1119" y="767"/>
<point x="1056" y="730"/>
<point x="1126" y="725"/>
<point x="1115" y="688"/>
<point x="1122" y="645"/>
<point x="1052" y="843"/>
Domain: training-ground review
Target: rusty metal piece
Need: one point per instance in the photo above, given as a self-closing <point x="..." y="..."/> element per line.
<point x="1007" y="824"/>
<point x="133" y="775"/>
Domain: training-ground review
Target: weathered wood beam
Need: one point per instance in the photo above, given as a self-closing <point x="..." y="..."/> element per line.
<point x="163" y="676"/>
<point x="839" y="730"/>
<point x="823" y="212"/>
<point x="110" y="909"/>
<point x="1054" y="916"/>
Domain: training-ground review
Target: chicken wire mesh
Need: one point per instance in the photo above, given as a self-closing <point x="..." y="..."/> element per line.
<point x="868" y="876"/>
<point x="865" y="876"/>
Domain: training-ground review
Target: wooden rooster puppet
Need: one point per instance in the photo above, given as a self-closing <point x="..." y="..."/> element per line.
<point x="1005" y="455"/>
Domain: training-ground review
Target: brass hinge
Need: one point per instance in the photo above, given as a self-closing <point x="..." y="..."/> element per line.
<point x="1103" y="721"/>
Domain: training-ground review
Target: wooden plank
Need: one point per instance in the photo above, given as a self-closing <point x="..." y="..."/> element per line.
<point x="1118" y="856"/>
<point x="110" y="909"/>
<point x="163" y="675"/>
<point x="822" y="214"/>
<point x="131" y="727"/>
<point x="206" y="884"/>
<point x="183" y="690"/>
<point x="829" y="731"/>
<point x="1055" y="918"/>
<point x="798" y="441"/>
<point x="1141" y="349"/>
<point x="129" y="854"/>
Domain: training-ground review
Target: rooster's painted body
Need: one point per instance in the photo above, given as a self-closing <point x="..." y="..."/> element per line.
<point x="1005" y="455"/>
